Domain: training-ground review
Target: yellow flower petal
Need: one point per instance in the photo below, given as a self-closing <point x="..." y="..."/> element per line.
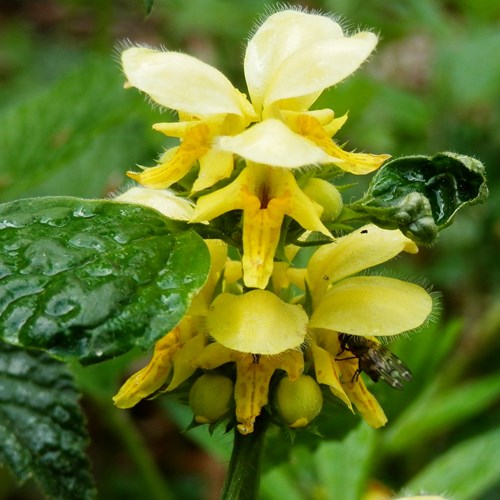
<point x="324" y="348"/>
<point x="261" y="234"/>
<point x="257" y="322"/>
<point x="356" y="163"/>
<point x="215" y="355"/>
<point x="271" y="142"/>
<point x="183" y="366"/>
<point x="344" y="55"/>
<point x="364" y="401"/>
<point x="222" y="200"/>
<point x="164" y="202"/>
<point x="181" y="82"/>
<point x="173" y="129"/>
<point x="372" y="305"/>
<point x="193" y="147"/>
<point x="218" y="258"/>
<point x="253" y="374"/>
<point x="278" y="45"/>
<point x="265" y="195"/>
<point x="148" y="380"/>
<point x="359" y="250"/>
<point x="214" y="166"/>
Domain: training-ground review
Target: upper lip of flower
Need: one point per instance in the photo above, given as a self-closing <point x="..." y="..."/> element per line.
<point x="276" y="57"/>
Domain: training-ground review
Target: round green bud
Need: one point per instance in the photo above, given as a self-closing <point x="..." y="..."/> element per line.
<point x="211" y="397"/>
<point x="298" y="402"/>
<point x="325" y="194"/>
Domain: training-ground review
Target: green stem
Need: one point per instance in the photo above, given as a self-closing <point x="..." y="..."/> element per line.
<point x="243" y="476"/>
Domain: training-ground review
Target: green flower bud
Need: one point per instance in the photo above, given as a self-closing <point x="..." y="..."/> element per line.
<point x="211" y="397"/>
<point x="298" y="402"/>
<point x="327" y="195"/>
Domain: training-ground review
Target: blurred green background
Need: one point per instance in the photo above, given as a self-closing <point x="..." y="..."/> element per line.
<point x="67" y="126"/>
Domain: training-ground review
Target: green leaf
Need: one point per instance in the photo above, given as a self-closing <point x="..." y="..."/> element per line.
<point x="148" y="5"/>
<point x="91" y="279"/>
<point x="420" y="195"/>
<point x="343" y="466"/>
<point x="48" y="147"/>
<point x="42" y="431"/>
<point x="465" y="471"/>
<point x="435" y="411"/>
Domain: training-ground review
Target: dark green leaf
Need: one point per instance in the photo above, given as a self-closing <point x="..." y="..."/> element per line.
<point x="343" y="466"/>
<point x="465" y="471"/>
<point x="91" y="279"/>
<point x="420" y="194"/>
<point x="442" y="410"/>
<point x="42" y="431"/>
<point x="148" y="5"/>
<point x="50" y="148"/>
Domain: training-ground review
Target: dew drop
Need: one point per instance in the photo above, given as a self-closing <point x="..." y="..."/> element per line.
<point x="59" y="306"/>
<point x="85" y="240"/>
<point x="8" y="223"/>
<point x="83" y="212"/>
<point x="121" y="238"/>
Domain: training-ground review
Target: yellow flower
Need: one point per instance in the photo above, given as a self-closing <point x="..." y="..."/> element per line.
<point x="257" y="322"/>
<point x="172" y="354"/>
<point x="289" y="61"/>
<point x="265" y="195"/>
<point x="260" y="334"/>
<point x="364" y="305"/>
<point x="207" y="104"/>
<point x="253" y="374"/>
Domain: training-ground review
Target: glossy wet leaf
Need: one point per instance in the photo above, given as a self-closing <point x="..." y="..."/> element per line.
<point x="420" y="195"/>
<point x="91" y="279"/>
<point x="42" y="431"/>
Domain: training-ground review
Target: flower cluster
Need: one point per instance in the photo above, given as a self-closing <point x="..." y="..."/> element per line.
<point x="262" y="158"/>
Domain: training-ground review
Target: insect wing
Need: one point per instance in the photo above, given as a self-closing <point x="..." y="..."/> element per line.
<point x="390" y="368"/>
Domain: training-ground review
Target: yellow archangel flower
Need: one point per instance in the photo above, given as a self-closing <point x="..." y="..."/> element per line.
<point x="364" y="306"/>
<point x="260" y="333"/>
<point x="289" y="61"/>
<point x="265" y="194"/>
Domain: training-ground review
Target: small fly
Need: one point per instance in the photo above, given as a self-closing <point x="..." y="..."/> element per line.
<point x="375" y="360"/>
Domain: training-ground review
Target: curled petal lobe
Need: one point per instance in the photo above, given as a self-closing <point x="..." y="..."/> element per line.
<point x="148" y="380"/>
<point x="372" y="305"/>
<point x="328" y="373"/>
<point x="183" y="83"/>
<point x="257" y="322"/>
<point x="164" y="202"/>
<point x="364" y="401"/>
<point x="309" y="127"/>
<point x="214" y="166"/>
<point x="177" y="161"/>
<point x="183" y="366"/>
